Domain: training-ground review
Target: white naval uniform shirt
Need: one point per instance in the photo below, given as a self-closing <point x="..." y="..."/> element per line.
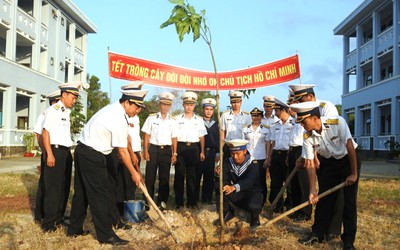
<point x="189" y="130"/>
<point x="161" y="131"/>
<point x="107" y="129"/>
<point x="134" y="133"/>
<point x="57" y="123"/>
<point x="296" y="134"/>
<point x="233" y="124"/>
<point x="332" y="140"/>
<point x="326" y="108"/>
<point x="39" y="124"/>
<point x="280" y="133"/>
<point x="269" y="123"/>
<point x="256" y="138"/>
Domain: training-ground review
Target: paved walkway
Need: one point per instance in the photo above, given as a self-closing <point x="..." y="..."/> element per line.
<point x="369" y="169"/>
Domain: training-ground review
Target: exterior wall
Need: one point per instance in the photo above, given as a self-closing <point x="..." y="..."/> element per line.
<point x="374" y="63"/>
<point x="35" y="57"/>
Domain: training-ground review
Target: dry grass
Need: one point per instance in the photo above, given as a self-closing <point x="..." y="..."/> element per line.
<point x="378" y="224"/>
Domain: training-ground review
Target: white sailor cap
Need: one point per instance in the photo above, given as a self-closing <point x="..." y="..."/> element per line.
<point x="301" y="90"/>
<point x="269" y="100"/>
<point x="135" y="96"/>
<point x="135" y="85"/>
<point x="290" y="97"/>
<point x="56" y="95"/>
<point x="305" y="109"/>
<point x="236" y="144"/>
<point x="208" y="102"/>
<point x="71" y="87"/>
<point x="235" y="95"/>
<point x="280" y="105"/>
<point x="189" y="97"/>
<point x="166" y="97"/>
<point x="256" y="112"/>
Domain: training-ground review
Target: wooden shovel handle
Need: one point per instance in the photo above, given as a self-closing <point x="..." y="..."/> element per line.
<point x="327" y="192"/>
<point x="153" y="204"/>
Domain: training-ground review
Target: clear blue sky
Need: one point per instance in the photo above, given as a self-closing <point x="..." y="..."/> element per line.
<point x="244" y="34"/>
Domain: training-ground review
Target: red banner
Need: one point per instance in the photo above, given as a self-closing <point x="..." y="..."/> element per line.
<point x="154" y="73"/>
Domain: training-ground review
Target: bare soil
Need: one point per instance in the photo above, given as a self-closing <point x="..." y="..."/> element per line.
<point x="378" y="227"/>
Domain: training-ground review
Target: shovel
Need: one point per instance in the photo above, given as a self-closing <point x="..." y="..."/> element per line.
<point x="327" y="192"/>
<point x="154" y="206"/>
<point x="273" y="205"/>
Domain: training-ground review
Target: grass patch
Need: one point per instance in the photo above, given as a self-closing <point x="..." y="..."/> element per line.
<point x="378" y="224"/>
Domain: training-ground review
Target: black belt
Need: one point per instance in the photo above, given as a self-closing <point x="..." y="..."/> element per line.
<point x="294" y="148"/>
<point x="59" y="146"/>
<point x="187" y="143"/>
<point x="280" y="151"/>
<point x="160" y="146"/>
<point x="210" y="149"/>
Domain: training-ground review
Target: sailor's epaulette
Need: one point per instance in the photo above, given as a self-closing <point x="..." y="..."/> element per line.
<point x="306" y="135"/>
<point x="322" y="104"/>
<point x="172" y="117"/>
<point x="276" y="122"/>
<point x="57" y="106"/>
<point x="153" y="114"/>
<point x="248" y="126"/>
<point x="245" y="112"/>
<point x="265" y="126"/>
<point x="226" y="111"/>
<point x="332" y="121"/>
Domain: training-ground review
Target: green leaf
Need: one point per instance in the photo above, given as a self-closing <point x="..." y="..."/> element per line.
<point x="191" y="9"/>
<point x="177" y="2"/>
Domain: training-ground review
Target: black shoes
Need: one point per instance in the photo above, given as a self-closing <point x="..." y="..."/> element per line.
<point x="348" y="246"/>
<point x="122" y="225"/>
<point x="254" y="224"/>
<point x="80" y="233"/>
<point x="311" y="239"/>
<point x="330" y="237"/>
<point x="115" y="240"/>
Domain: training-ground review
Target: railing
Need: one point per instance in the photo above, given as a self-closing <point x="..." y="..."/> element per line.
<point x="5" y="14"/>
<point x="385" y="40"/>
<point x="351" y="60"/>
<point x="68" y="53"/>
<point x="366" y="51"/>
<point x="380" y="142"/>
<point x="26" y="24"/>
<point x="78" y="57"/>
<point x="364" y="143"/>
<point x="44" y="36"/>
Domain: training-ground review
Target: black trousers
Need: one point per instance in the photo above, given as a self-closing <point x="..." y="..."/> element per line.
<point x="249" y="201"/>
<point x="91" y="188"/>
<point x="39" y="210"/>
<point x="299" y="184"/>
<point x="160" y="159"/>
<point x="331" y="173"/>
<point x="185" y="168"/>
<point x="113" y="165"/>
<point x="205" y="171"/>
<point x="57" y="183"/>
<point x="263" y="179"/>
<point x="278" y="174"/>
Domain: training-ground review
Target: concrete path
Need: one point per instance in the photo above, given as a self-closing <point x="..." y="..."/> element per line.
<point x="369" y="169"/>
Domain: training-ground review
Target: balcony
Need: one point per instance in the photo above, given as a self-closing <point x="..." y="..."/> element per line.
<point x="385" y="41"/>
<point x="366" y="51"/>
<point x="5" y="14"/>
<point x="44" y="37"/>
<point x="26" y="24"/>
<point x="351" y="60"/>
<point x="78" y="57"/>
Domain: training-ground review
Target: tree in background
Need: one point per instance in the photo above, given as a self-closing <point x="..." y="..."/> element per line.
<point x="77" y="117"/>
<point x="96" y="99"/>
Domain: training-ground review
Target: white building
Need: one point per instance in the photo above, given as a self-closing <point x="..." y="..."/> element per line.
<point x="43" y="43"/>
<point x="371" y="73"/>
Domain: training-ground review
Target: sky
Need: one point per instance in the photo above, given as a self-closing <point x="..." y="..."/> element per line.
<point x="244" y="34"/>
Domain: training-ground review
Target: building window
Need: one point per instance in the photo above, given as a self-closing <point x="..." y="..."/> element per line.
<point x="368" y="80"/>
<point x="390" y="71"/>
